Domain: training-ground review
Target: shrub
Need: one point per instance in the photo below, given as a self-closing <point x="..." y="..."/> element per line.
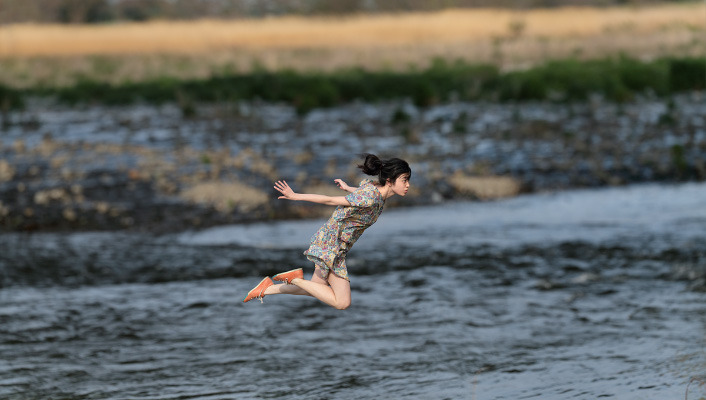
<point x="617" y="79"/>
<point x="10" y="99"/>
<point x="686" y="74"/>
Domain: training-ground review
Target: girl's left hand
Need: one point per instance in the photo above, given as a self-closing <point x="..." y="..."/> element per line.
<point x="287" y="192"/>
<point x="342" y="185"/>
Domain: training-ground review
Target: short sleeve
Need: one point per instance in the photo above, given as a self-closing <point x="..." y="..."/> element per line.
<point x="362" y="197"/>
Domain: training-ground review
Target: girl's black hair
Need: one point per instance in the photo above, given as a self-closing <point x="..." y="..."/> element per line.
<point x="384" y="169"/>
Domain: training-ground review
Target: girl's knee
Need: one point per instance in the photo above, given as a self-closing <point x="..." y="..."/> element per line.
<point x="342" y="304"/>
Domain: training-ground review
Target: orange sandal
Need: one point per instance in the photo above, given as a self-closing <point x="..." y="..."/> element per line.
<point x="258" y="292"/>
<point x="288" y="276"/>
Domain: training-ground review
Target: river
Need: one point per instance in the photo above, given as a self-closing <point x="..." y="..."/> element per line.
<point x="582" y="294"/>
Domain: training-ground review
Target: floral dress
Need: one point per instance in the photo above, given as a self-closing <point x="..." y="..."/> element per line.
<point x="332" y="241"/>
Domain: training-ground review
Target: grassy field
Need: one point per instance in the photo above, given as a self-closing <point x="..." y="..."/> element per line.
<point x="56" y="56"/>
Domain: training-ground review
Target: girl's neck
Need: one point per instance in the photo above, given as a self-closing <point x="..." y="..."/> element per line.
<point x="385" y="191"/>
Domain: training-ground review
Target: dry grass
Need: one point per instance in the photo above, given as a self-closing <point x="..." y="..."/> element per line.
<point x="485" y="187"/>
<point x="197" y="49"/>
<point x="7" y="171"/>
<point x="225" y="196"/>
<point x="452" y="26"/>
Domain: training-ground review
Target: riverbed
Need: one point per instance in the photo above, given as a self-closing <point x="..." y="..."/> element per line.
<point x="593" y="293"/>
<point x="153" y="168"/>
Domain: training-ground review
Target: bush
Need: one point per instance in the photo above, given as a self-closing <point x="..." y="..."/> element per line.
<point x="686" y="74"/>
<point x="617" y="79"/>
<point x="639" y="77"/>
<point x="10" y="99"/>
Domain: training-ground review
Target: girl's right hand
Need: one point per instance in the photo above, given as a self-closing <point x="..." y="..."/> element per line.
<point x="287" y="192"/>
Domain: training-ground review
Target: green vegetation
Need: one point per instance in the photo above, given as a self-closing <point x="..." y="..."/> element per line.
<point x="616" y="79"/>
<point x="10" y="99"/>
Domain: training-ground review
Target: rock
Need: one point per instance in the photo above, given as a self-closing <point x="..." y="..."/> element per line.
<point x="167" y="172"/>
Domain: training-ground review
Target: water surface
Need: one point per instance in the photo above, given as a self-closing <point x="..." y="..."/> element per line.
<point x="582" y="294"/>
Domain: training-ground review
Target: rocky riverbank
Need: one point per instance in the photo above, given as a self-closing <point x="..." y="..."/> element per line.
<point x="165" y="168"/>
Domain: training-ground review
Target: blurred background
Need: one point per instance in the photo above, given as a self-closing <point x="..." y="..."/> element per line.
<point x="552" y="243"/>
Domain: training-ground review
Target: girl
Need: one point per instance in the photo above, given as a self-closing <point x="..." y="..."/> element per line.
<point x="354" y="213"/>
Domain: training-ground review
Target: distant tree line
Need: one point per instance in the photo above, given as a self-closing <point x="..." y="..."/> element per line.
<point x="102" y="11"/>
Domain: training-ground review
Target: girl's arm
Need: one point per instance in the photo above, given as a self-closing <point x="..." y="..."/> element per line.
<point x="344" y="185"/>
<point x="288" y="193"/>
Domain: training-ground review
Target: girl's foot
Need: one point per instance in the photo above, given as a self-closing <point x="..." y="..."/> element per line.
<point x="288" y="276"/>
<point x="258" y="292"/>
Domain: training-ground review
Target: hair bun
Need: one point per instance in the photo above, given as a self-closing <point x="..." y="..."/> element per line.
<point x="372" y="165"/>
<point x="385" y="170"/>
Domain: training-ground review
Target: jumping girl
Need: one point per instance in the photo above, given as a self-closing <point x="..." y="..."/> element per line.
<point x="353" y="215"/>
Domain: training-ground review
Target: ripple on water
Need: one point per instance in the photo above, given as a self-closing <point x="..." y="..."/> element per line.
<point x="161" y="317"/>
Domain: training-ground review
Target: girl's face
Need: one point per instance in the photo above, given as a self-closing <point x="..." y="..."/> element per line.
<point x="401" y="185"/>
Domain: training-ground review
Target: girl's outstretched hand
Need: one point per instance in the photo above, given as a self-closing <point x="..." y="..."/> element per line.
<point x="342" y="185"/>
<point x="287" y="192"/>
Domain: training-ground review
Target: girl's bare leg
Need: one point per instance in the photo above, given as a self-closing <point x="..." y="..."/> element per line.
<point x="293" y="289"/>
<point x="334" y="291"/>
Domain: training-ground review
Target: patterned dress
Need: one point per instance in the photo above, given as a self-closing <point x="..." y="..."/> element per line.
<point x="331" y="243"/>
